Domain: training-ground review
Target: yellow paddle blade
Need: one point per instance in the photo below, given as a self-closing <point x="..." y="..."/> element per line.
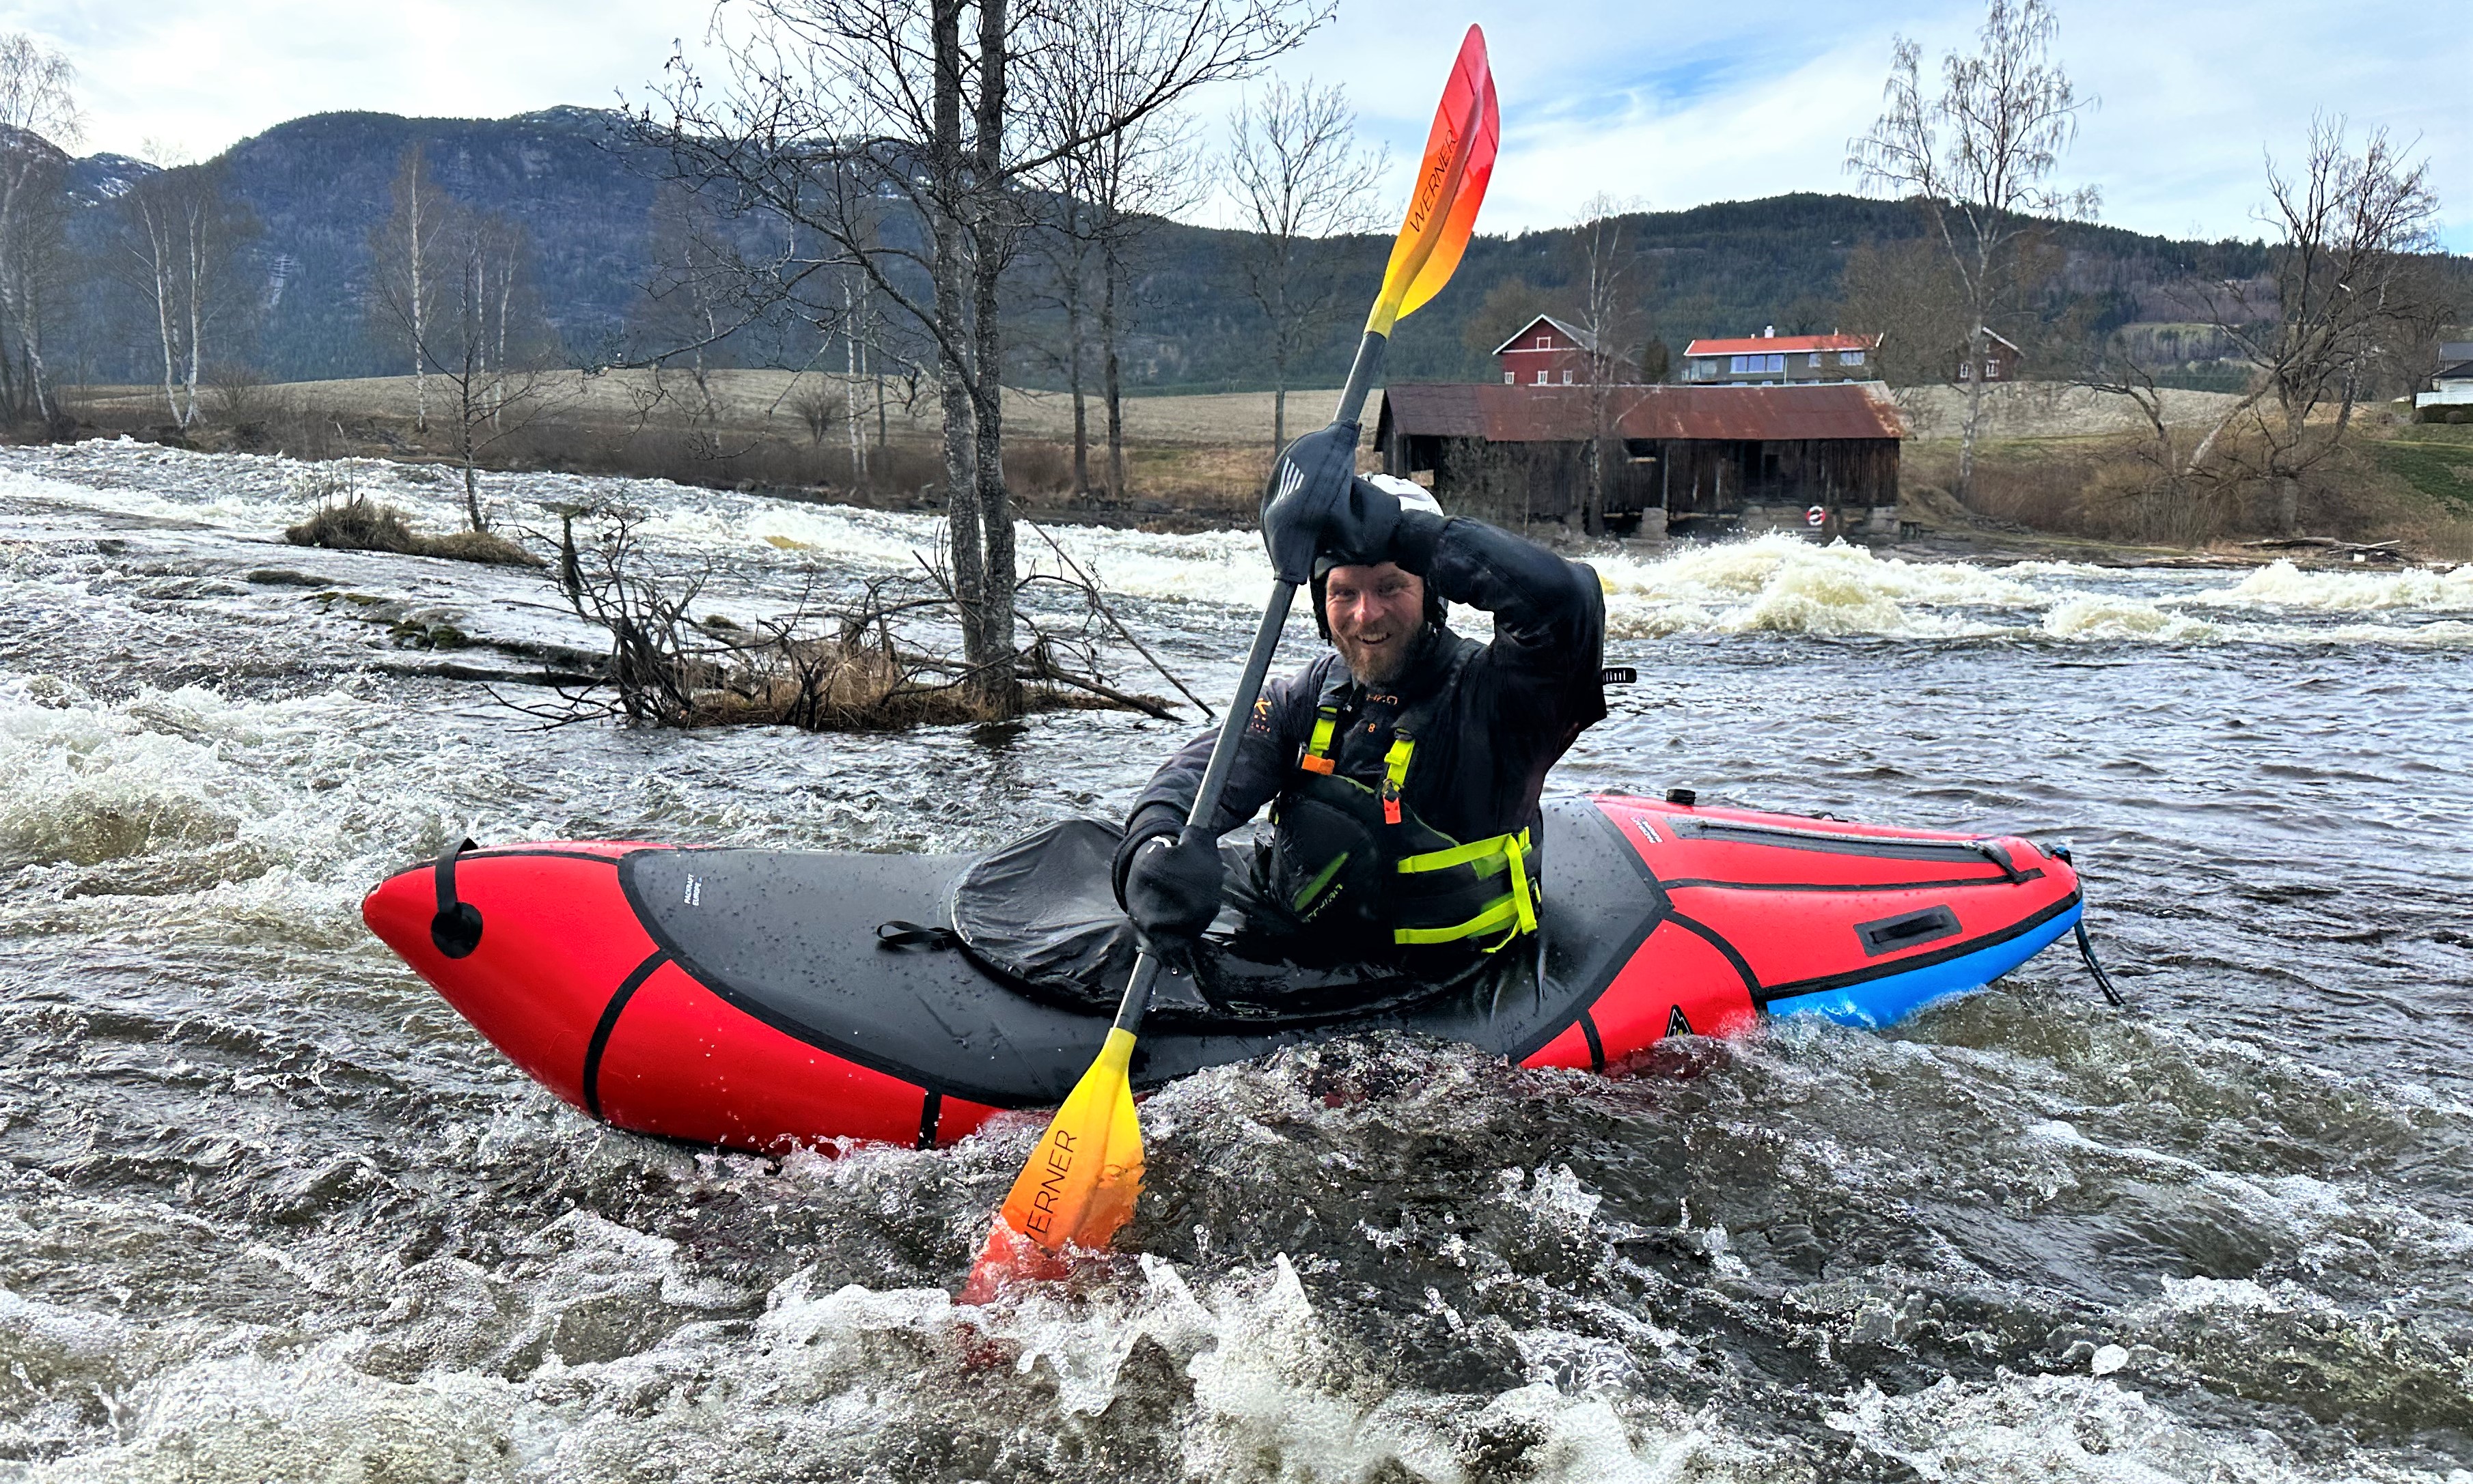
<point x="1450" y="185"/>
<point x="1081" y="1182"/>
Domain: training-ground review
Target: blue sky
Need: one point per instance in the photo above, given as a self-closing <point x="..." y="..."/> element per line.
<point x="1665" y="104"/>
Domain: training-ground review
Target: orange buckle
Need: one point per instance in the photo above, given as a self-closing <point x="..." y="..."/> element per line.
<point x="1312" y="764"/>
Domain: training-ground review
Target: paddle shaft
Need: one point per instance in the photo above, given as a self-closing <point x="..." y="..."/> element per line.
<point x="1240" y="710"/>
<point x="1214" y="781"/>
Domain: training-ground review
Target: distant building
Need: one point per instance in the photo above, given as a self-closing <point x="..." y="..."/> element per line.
<point x="1820" y="460"/>
<point x="1549" y="352"/>
<point x="2450" y="398"/>
<point x="1772" y="359"/>
<point x="2002" y="360"/>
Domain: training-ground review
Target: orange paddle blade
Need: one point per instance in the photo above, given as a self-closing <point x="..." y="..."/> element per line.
<point x="1080" y="1183"/>
<point x="1450" y="185"/>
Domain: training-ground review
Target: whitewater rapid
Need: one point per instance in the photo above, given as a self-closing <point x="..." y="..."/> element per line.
<point x="269" y="1211"/>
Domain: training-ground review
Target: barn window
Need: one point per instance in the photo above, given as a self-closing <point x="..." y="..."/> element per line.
<point x="1567" y="375"/>
<point x="1545" y="341"/>
<point x="1541" y="375"/>
<point x="1508" y="377"/>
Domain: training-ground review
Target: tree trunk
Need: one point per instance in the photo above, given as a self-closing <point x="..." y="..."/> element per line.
<point x="1112" y="375"/>
<point x="949" y="165"/>
<point x="1074" y="354"/>
<point x="1976" y="344"/>
<point x="996" y="686"/>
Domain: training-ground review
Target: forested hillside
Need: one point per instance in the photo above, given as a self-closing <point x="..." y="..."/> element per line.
<point x="317" y="187"/>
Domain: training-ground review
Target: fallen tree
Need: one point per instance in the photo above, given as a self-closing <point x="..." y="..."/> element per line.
<point x="876" y="657"/>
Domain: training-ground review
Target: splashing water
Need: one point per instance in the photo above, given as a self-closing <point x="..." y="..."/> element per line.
<point x="271" y="1211"/>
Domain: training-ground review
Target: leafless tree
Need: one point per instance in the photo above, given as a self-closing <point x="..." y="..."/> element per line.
<point x="2344" y="282"/>
<point x="404" y="279"/>
<point x="489" y="345"/>
<point x="1121" y="182"/>
<point x="1976" y="159"/>
<point x="37" y="116"/>
<point x="1612" y="320"/>
<point x="825" y="116"/>
<point x="180" y="252"/>
<point x="1301" y="179"/>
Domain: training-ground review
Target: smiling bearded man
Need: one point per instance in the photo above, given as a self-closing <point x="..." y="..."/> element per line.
<point x="1403" y="769"/>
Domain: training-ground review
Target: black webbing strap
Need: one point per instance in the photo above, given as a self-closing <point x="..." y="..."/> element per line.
<point x="900" y="936"/>
<point x="456" y="930"/>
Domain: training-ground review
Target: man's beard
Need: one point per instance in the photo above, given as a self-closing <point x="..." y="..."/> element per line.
<point x="1382" y="667"/>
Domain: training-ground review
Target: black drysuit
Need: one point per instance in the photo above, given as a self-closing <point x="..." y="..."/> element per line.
<point x="1505" y="716"/>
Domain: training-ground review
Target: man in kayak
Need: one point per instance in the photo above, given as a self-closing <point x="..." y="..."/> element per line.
<point x="1404" y="767"/>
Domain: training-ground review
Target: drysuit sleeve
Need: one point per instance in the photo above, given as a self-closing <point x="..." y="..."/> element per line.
<point x="1282" y="715"/>
<point x="1549" y="614"/>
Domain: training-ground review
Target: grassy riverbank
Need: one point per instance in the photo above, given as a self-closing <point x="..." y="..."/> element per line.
<point x="2059" y="466"/>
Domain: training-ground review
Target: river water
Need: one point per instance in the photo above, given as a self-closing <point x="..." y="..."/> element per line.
<point x="269" y="1211"/>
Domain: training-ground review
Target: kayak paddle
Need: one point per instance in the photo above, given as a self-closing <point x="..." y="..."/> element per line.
<point x="1083" y="1177"/>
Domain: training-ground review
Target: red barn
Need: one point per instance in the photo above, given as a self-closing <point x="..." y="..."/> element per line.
<point x="1549" y="352"/>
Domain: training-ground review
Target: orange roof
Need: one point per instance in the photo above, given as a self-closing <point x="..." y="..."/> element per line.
<point x="1760" y="344"/>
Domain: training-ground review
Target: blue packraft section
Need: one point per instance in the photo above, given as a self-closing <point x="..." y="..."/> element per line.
<point x="1893" y="997"/>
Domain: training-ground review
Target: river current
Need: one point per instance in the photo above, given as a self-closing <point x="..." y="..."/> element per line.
<point x="269" y="1211"/>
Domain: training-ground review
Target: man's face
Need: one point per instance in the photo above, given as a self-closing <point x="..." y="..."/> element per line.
<point x="1374" y="614"/>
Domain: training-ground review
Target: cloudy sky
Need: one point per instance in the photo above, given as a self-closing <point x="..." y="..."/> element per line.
<point x="1668" y="104"/>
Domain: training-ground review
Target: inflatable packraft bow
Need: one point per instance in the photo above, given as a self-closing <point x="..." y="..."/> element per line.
<point x="759" y="997"/>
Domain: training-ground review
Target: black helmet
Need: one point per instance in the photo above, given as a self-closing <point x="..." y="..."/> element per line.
<point x="1412" y="497"/>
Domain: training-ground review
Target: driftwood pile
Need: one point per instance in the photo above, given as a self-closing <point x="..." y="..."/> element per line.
<point x="869" y="658"/>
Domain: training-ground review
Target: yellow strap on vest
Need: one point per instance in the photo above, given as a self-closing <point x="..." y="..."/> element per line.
<point x="1395" y="773"/>
<point x="1317" y="757"/>
<point x="1514" y="913"/>
<point x="1488" y="855"/>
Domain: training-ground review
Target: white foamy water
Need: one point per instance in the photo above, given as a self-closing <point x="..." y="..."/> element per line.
<point x="269" y="1210"/>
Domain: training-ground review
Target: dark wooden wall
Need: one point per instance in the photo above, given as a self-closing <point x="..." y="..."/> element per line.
<point x="1514" y="484"/>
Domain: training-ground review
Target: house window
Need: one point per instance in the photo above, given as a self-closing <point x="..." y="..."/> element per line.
<point x="1992" y="367"/>
<point x="1737" y="365"/>
<point x="1850" y="357"/>
<point x="1566" y="377"/>
<point x="1541" y="375"/>
<point x="1816" y="360"/>
<point x="1509" y="377"/>
<point x="1545" y="341"/>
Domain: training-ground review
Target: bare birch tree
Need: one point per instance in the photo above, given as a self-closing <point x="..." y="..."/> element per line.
<point x="1610" y="278"/>
<point x="38" y="115"/>
<point x="180" y="252"/>
<point x="1976" y="159"/>
<point x="1300" y="180"/>
<point x="488" y="341"/>
<point x="2344" y="279"/>
<point x="825" y="118"/>
<point x="404" y="284"/>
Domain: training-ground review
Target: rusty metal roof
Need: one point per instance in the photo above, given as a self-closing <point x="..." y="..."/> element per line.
<point x="1556" y="415"/>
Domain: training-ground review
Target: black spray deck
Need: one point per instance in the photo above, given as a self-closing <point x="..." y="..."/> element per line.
<point x="794" y="944"/>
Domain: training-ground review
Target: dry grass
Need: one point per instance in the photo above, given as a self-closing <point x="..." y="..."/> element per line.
<point x="362" y="524"/>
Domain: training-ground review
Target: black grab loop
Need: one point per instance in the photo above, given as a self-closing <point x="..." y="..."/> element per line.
<point x="2102" y="980"/>
<point x="456" y="929"/>
<point x="900" y="935"/>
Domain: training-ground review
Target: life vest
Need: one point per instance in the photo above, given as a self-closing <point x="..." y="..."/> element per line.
<point x="1349" y="856"/>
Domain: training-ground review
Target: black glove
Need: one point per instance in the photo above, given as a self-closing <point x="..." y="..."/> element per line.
<point x="1172" y="890"/>
<point x="1361" y="526"/>
<point x="1309" y="479"/>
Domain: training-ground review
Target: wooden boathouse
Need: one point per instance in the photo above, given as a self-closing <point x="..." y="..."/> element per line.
<point x="1693" y="460"/>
